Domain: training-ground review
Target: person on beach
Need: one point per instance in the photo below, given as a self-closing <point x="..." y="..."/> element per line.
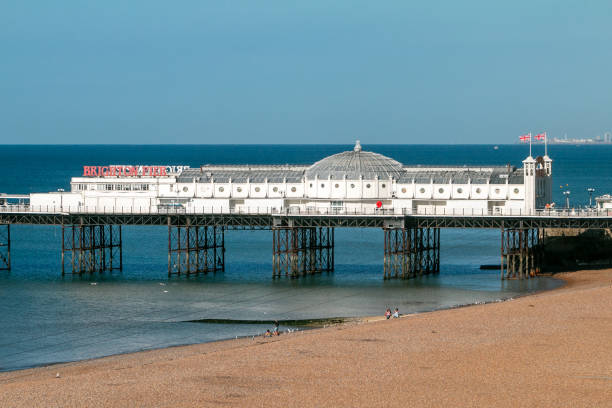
<point x="396" y="313"/>
<point x="275" y="331"/>
<point x="268" y="334"/>
<point x="388" y="314"/>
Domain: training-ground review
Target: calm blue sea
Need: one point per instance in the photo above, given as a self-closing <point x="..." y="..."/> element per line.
<point x="45" y="318"/>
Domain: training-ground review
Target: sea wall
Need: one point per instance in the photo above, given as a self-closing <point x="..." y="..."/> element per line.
<point x="576" y="248"/>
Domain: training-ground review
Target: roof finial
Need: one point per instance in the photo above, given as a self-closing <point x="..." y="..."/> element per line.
<point x="357" y="147"/>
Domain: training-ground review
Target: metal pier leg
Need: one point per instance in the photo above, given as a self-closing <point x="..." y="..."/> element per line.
<point x="92" y="248"/>
<point x="520" y="247"/>
<point x="411" y="252"/>
<point x="300" y="251"/>
<point x="194" y="249"/>
<point x="502" y="253"/>
<point x="5" y="247"/>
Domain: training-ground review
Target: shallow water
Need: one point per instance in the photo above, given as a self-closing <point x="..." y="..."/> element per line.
<point x="46" y="319"/>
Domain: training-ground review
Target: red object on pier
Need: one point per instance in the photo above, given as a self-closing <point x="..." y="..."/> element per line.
<point x="378" y="204"/>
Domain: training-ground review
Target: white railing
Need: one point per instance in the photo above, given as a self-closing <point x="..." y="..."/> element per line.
<point x="294" y="211"/>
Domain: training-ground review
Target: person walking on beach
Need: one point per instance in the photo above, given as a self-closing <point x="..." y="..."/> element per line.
<point x="388" y="314"/>
<point x="276" y="333"/>
<point x="396" y="313"/>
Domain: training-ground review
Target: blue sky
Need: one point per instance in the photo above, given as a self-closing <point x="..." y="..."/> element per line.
<point x="303" y="72"/>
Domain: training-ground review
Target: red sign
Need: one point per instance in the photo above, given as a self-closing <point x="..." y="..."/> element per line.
<point x="378" y="204"/>
<point x="124" y="171"/>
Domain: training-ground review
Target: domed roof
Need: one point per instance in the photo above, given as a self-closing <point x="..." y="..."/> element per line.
<point x="355" y="163"/>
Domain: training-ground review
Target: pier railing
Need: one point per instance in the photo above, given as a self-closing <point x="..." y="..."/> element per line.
<point x="295" y="211"/>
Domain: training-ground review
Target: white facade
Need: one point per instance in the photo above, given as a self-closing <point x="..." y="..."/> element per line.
<point x="604" y="202"/>
<point x="348" y="182"/>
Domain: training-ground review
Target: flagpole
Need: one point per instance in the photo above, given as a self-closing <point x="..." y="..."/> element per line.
<point x="545" y="144"/>
<point x="529" y="144"/>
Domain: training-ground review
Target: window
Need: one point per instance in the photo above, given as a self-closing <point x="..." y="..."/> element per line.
<point x="293" y="189"/>
<point x="478" y="190"/>
<point x="459" y="190"/>
<point x="516" y="191"/>
<point x="368" y="186"/>
<point x="497" y="190"/>
<point x="310" y="184"/>
<point x="257" y="189"/>
<point x="441" y="190"/>
<point x="404" y="190"/>
<point x="185" y="189"/>
<point x="239" y="189"/>
<point x="383" y="185"/>
<point x="275" y="189"/>
<point x="337" y="185"/>
<point x="337" y="205"/>
<point x="221" y="189"/>
<point x="422" y="190"/>
<point x="322" y="185"/>
<point x="352" y="185"/>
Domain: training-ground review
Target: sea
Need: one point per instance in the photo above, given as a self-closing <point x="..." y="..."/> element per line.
<point x="46" y="318"/>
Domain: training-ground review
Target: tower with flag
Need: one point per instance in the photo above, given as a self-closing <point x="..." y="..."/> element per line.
<point x="537" y="175"/>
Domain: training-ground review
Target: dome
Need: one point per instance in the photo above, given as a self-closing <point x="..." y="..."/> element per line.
<point x="353" y="164"/>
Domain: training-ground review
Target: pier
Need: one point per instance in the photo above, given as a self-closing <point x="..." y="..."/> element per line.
<point x="302" y="242"/>
<point x="301" y="205"/>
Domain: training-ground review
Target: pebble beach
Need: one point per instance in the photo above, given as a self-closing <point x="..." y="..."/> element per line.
<point x="548" y="349"/>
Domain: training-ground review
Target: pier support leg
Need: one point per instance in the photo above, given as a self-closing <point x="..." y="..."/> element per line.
<point x="91" y="248"/>
<point x="411" y="252"/>
<point x="194" y="249"/>
<point x="5" y="247"/>
<point x="521" y="253"/>
<point x="299" y="251"/>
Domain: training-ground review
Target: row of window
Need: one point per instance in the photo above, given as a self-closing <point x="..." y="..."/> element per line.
<point x="257" y="189"/>
<point x="112" y="187"/>
<point x="460" y="190"/>
<point x="352" y="185"/>
<point x="421" y="190"/>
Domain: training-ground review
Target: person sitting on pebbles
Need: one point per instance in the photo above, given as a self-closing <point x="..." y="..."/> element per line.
<point x="388" y="314"/>
<point x="396" y="313"/>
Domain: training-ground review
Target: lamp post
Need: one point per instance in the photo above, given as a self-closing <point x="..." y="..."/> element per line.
<point x="591" y="190"/>
<point x="61" y="190"/>
<point x="567" y="193"/>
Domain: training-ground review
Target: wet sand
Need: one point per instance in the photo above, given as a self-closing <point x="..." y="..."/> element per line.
<point x="548" y="349"/>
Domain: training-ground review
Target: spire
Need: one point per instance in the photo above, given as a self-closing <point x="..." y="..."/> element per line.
<point x="357" y="147"/>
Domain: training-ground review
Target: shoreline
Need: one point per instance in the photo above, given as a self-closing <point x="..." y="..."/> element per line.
<point x="211" y="369"/>
<point x="302" y="325"/>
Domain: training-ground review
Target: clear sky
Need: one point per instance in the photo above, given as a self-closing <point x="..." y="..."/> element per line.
<point x="245" y="71"/>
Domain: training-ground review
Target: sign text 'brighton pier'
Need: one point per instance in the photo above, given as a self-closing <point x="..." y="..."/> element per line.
<point x="133" y="171"/>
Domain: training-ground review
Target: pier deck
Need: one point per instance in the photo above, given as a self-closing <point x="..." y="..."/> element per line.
<point x="303" y="241"/>
<point x="267" y="219"/>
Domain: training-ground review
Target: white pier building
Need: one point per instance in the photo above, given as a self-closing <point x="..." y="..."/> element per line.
<point x="354" y="181"/>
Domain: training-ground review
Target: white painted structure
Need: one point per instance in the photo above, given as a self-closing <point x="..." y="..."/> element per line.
<point x="349" y="182"/>
<point x="604" y="202"/>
